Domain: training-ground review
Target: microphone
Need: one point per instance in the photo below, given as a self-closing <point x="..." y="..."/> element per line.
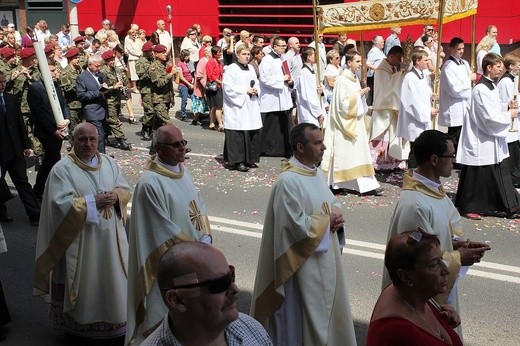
<point x="169" y="10"/>
<point x="251" y="84"/>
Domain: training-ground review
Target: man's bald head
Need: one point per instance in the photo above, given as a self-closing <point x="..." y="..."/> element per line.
<point x="294" y="44"/>
<point x="83" y="127"/>
<point x="182" y="259"/>
<point x="170" y="145"/>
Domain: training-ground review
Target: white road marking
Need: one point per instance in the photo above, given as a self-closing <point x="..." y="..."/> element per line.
<point x="378" y="254"/>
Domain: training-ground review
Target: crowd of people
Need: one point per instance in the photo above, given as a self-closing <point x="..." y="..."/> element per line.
<point x="166" y="282"/>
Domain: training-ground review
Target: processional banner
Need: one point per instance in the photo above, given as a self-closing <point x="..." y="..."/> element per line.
<point x="368" y="15"/>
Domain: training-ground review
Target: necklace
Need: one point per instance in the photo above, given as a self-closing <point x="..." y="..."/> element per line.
<point x="438" y="332"/>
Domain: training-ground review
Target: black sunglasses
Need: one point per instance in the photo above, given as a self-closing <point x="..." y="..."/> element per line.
<point x="451" y="156"/>
<point x="218" y="285"/>
<point x="176" y="145"/>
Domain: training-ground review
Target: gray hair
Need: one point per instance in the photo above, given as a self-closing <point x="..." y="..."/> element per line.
<point x="94" y="58"/>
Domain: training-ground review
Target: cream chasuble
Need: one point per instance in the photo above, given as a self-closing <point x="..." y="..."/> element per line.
<point x="387" y="90"/>
<point x="347" y="156"/>
<point x="421" y="206"/>
<point x="89" y="260"/>
<point x="296" y="222"/>
<point x="166" y="209"/>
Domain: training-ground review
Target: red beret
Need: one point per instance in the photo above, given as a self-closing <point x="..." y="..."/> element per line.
<point x="79" y="39"/>
<point x="8" y="52"/>
<point x="159" y="49"/>
<point x="148" y="46"/>
<point x="72" y="53"/>
<point x="49" y="47"/>
<point x="109" y="54"/>
<point x="26" y="53"/>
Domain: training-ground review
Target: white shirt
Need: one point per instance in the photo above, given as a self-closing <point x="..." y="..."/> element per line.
<point x="276" y="95"/>
<point x="374" y="57"/>
<point x="454" y="92"/>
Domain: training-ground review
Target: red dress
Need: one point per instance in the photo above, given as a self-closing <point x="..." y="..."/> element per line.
<point x="399" y="331"/>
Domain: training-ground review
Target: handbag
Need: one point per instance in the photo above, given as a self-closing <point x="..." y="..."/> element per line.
<point x="211" y="86"/>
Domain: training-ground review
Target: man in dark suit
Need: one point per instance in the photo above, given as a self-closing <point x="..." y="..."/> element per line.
<point x="14" y="144"/>
<point x="50" y="134"/>
<point x="92" y="98"/>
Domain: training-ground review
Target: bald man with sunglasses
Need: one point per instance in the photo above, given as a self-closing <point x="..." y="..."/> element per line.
<point x="167" y="209"/>
<point x="198" y="287"/>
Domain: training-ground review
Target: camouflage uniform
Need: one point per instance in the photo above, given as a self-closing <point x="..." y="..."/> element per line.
<point x="144" y="84"/>
<point x="4" y="67"/>
<point x="19" y="87"/>
<point x="83" y="61"/>
<point x="68" y="78"/>
<point x="161" y="93"/>
<point x="113" y="98"/>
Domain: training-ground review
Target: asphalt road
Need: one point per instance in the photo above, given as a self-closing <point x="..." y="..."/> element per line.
<point x="236" y="203"/>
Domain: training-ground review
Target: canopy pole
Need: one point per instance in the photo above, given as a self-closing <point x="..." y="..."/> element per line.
<point x="363" y="61"/>
<point x="473" y="28"/>
<point x="315" y="3"/>
<point x="438" y="61"/>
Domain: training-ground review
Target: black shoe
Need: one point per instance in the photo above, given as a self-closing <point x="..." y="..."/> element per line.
<point x="123" y="145"/>
<point x="195" y="122"/>
<point x="147" y="133"/>
<point x="6" y="218"/>
<point x="112" y="143"/>
<point x="241" y="167"/>
<point x="252" y="165"/>
<point x="375" y="192"/>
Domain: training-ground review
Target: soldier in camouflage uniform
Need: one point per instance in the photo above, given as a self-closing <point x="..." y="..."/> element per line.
<point x="8" y="62"/>
<point x="113" y="98"/>
<point x="24" y="75"/>
<point x="83" y="56"/>
<point x="144" y="84"/>
<point x="161" y="87"/>
<point x="68" y="78"/>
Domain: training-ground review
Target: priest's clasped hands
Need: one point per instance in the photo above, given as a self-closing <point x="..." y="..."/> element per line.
<point x="105" y="199"/>
<point x="336" y="219"/>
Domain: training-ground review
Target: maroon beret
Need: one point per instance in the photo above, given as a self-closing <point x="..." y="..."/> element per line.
<point x="26" y="53"/>
<point x="79" y="39"/>
<point x="72" y="53"/>
<point x="7" y="52"/>
<point x="148" y="46"/>
<point x="49" y="47"/>
<point x="109" y="54"/>
<point x="159" y="49"/>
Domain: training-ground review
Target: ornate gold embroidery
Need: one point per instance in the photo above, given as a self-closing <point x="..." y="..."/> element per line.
<point x="366" y="15"/>
<point x="377" y="11"/>
<point x="198" y="220"/>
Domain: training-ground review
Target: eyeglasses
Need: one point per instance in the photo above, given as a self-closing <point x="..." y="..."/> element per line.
<point x="218" y="285"/>
<point x="176" y="145"/>
<point x="450" y="156"/>
<point x="281" y="45"/>
<point x="336" y="58"/>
